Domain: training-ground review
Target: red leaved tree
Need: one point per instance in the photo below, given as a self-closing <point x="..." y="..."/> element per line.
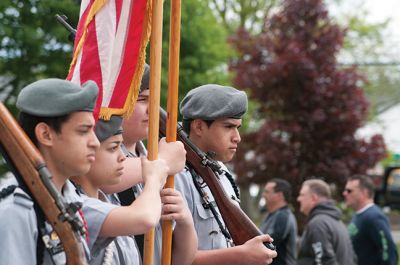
<point x="309" y="106"/>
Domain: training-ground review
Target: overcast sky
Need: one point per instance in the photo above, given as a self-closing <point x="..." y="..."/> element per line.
<point x="381" y="9"/>
<point x="378" y="11"/>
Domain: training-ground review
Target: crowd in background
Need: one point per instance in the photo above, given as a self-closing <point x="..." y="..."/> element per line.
<point x="367" y="240"/>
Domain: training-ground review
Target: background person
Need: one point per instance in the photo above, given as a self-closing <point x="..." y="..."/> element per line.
<point x="369" y="228"/>
<point x="325" y="239"/>
<point x="280" y="222"/>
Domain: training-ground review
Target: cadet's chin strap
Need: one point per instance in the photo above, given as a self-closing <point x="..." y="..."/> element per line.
<point x="208" y="205"/>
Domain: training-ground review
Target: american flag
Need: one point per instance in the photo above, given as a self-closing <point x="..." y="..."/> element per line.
<point x="109" y="48"/>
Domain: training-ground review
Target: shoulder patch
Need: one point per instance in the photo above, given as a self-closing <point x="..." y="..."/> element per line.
<point x="5" y="192"/>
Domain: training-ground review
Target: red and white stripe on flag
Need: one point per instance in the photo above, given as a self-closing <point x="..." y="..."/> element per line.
<point x="110" y="49"/>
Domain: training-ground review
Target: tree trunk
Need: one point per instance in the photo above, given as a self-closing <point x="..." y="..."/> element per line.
<point x="248" y="203"/>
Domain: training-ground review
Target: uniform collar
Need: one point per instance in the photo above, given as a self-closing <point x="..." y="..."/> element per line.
<point x="366" y="207"/>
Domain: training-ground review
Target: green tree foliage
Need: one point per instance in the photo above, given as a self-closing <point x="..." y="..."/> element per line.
<point x="248" y="14"/>
<point x="33" y="44"/>
<point x="204" y="51"/>
<point x="309" y="105"/>
<point x="363" y="39"/>
<point x="382" y="89"/>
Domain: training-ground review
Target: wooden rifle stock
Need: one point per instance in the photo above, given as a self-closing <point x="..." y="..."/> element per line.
<point x="30" y="165"/>
<point x="240" y="226"/>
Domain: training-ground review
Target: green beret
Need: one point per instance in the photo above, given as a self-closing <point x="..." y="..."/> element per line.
<point x="105" y="129"/>
<point x="211" y="102"/>
<point x="57" y="97"/>
<point x="145" y="78"/>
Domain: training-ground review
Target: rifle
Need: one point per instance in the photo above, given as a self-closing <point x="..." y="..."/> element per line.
<point x="63" y="21"/>
<point x="238" y="223"/>
<point x="29" y="165"/>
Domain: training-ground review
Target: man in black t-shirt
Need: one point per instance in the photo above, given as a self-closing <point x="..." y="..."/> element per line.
<point x="280" y="222"/>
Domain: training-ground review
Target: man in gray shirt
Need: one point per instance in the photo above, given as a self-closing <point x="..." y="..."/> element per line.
<point x="325" y="240"/>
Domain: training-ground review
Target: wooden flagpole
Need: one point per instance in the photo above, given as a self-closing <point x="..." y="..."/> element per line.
<point x="172" y="112"/>
<point x="154" y="106"/>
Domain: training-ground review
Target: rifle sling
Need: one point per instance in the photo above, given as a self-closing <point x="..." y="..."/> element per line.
<point x="39" y="241"/>
<point x="126" y="198"/>
<point x="120" y="255"/>
<point x="208" y="205"/>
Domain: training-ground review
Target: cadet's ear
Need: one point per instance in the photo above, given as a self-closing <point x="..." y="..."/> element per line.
<point x="196" y="127"/>
<point x="43" y="134"/>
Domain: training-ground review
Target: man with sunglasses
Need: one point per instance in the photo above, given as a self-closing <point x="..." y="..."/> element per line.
<point x="369" y="228"/>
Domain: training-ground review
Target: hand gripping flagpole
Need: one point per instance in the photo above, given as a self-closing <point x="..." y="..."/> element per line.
<point x="172" y="112"/>
<point x="154" y="106"/>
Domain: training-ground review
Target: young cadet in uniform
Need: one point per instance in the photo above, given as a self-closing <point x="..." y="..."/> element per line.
<point x="107" y="221"/>
<point x="135" y="129"/>
<point x="211" y="116"/>
<point x="57" y="116"/>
